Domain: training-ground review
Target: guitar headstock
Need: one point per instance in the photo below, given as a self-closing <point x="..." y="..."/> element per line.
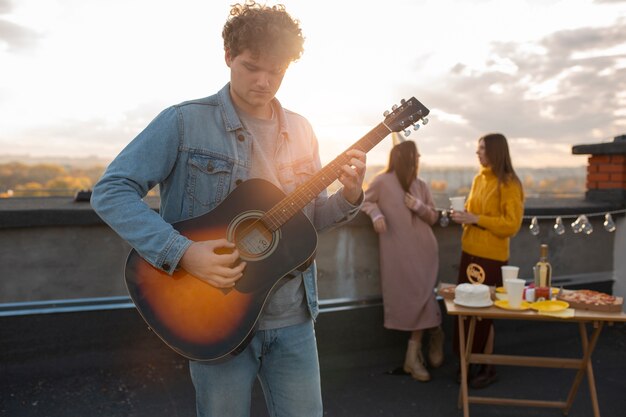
<point x="409" y="113"/>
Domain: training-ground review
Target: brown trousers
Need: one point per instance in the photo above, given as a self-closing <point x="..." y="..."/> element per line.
<point x="493" y="276"/>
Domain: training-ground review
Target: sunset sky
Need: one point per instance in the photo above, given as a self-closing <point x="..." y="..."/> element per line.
<point x="83" y="77"/>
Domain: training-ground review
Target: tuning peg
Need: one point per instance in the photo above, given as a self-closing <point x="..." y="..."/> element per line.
<point x="407" y="133"/>
<point x="424" y="120"/>
<point x="394" y="107"/>
<point x="416" y="126"/>
<point x="402" y="101"/>
<point x="386" y="113"/>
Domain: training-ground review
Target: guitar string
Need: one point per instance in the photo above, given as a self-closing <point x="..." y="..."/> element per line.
<point x="285" y="209"/>
<point x="303" y="195"/>
<point x="309" y="190"/>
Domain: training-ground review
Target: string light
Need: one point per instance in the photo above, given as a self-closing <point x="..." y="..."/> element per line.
<point x="534" y="227"/>
<point x="573" y="216"/>
<point x="586" y="227"/>
<point x="609" y="224"/>
<point x="581" y="224"/>
<point x="577" y="225"/>
<point x="558" y="227"/>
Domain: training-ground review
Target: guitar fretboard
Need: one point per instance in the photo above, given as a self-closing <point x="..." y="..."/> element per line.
<point x="301" y="196"/>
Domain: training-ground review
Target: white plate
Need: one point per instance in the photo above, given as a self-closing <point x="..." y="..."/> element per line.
<point x="486" y="304"/>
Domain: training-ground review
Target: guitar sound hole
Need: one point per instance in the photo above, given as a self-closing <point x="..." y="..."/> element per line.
<point x="253" y="239"/>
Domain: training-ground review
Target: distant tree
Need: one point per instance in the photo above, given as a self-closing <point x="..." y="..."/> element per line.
<point x="69" y="183"/>
<point x="438" y="185"/>
<point x="44" y="172"/>
<point x="45" y="179"/>
<point x="12" y="174"/>
<point x="528" y="182"/>
<point x="31" y="189"/>
<point x="463" y="190"/>
<point x="93" y="173"/>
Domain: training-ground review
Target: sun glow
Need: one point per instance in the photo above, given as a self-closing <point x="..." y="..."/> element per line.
<point x="85" y="76"/>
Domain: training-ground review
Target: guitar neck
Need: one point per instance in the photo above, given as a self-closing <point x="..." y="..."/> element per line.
<point x="306" y="192"/>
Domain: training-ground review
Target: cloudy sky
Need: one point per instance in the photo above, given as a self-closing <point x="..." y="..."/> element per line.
<point x="83" y="77"/>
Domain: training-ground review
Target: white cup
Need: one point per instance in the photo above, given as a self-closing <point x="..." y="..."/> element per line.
<point x="508" y="272"/>
<point x="457" y="203"/>
<point x="505" y="284"/>
<point x="516" y="292"/>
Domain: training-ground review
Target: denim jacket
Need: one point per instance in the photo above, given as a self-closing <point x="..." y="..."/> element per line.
<point x="197" y="152"/>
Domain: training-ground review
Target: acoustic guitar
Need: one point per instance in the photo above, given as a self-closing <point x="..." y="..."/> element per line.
<point x="273" y="236"/>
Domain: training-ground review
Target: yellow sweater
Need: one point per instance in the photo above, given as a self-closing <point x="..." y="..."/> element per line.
<point x="499" y="216"/>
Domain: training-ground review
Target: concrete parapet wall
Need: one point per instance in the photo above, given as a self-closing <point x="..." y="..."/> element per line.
<point x="66" y="261"/>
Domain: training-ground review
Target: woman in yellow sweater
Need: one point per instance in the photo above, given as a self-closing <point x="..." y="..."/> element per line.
<point x="493" y="214"/>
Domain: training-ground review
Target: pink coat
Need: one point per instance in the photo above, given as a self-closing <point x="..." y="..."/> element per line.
<point x="409" y="254"/>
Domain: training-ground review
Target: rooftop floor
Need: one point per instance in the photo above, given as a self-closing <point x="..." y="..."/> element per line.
<point x="106" y="363"/>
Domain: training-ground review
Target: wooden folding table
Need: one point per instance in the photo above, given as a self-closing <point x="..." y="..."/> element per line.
<point x="583" y="365"/>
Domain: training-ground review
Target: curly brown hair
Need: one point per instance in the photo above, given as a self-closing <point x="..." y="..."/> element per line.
<point x="263" y="30"/>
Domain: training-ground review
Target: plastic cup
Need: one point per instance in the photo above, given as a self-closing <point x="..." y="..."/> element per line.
<point x="457" y="203"/>
<point x="505" y="284"/>
<point x="516" y="292"/>
<point x="509" y="272"/>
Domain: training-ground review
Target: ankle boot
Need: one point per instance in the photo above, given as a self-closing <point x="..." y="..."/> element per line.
<point x="435" y="347"/>
<point x="485" y="377"/>
<point x="410" y="357"/>
<point x="414" y="362"/>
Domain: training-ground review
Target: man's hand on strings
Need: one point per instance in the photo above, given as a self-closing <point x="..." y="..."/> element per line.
<point x="217" y="269"/>
<point x="352" y="175"/>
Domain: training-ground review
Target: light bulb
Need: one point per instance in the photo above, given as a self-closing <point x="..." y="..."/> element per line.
<point x="609" y="224"/>
<point x="586" y="225"/>
<point x="577" y="225"/>
<point x="534" y="226"/>
<point x="444" y="220"/>
<point x="558" y="227"/>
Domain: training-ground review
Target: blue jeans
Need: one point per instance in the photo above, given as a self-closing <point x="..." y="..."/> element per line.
<point x="285" y="362"/>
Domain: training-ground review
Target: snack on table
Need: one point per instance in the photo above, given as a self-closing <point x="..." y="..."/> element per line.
<point x="472" y="295"/>
<point x="592" y="300"/>
<point x="446" y="291"/>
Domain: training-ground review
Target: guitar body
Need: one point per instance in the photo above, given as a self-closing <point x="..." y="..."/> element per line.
<point x="272" y="235"/>
<point x="205" y="323"/>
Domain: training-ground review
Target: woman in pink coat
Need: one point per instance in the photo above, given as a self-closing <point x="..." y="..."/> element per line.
<point x="402" y="211"/>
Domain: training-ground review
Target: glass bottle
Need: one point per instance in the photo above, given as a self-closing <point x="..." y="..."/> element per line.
<point x="543" y="269"/>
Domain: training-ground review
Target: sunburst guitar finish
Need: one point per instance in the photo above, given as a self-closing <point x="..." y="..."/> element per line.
<point x="273" y="236"/>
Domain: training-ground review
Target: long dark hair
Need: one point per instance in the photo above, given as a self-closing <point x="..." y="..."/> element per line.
<point x="499" y="158"/>
<point x="403" y="161"/>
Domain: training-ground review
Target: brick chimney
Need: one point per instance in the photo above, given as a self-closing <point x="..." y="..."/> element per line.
<point x="606" y="171"/>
